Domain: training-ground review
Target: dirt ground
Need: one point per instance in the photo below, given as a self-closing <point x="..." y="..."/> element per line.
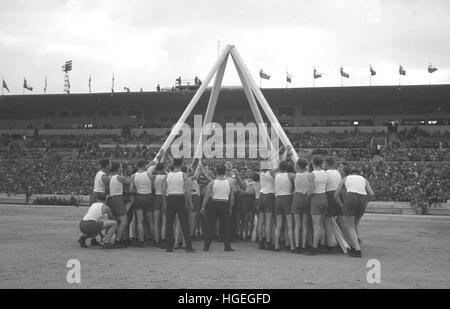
<point x="36" y="242"/>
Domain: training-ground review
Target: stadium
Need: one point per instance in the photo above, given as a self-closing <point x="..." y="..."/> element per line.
<point x="351" y="188"/>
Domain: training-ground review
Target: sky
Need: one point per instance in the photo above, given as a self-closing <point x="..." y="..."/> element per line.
<point x="149" y="42"/>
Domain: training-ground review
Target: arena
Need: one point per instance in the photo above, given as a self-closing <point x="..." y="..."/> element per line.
<point x="413" y="252"/>
<point x="329" y="169"/>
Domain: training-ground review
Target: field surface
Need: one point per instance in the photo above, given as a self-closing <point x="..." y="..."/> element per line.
<point x="37" y="241"/>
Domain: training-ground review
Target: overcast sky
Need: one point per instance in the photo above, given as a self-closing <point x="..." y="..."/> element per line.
<point x="149" y="42"/>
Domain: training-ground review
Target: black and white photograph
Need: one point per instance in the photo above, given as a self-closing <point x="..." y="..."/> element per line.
<point x="224" y="150"/>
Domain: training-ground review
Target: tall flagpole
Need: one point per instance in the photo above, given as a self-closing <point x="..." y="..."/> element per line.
<point x="3" y="81"/>
<point x="23" y="86"/>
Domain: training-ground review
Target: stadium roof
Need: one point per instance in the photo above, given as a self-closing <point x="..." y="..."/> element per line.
<point x="375" y="96"/>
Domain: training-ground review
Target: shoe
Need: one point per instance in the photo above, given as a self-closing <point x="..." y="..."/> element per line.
<point x="162" y="244"/>
<point x="322" y="250"/>
<point x="261" y="246"/>
<point x="298" y="250"/>
<point x="349" y="251"/>
<point x="228" y="250"/>
<point x="169" y="250"/>
<point x="293" y="251"/>
<point x="109" y="246"/>
<point x="205" y="249"/>
<point x="178" y="247"/>
<point x="82" y="241"/>
<point x="311" y="251"/>
<point x="139" y="244"/>
<point x="248" y="238"/>
<point x="359" y="241"/>
<point x="332" y="250"/>
<point x="269" y="246"/>
<point x="287" y="249"/>
<point x="95" y="243"/>
<point x="277" y="249"/>
<point x="356" y="253"/>
<point x="120" y="244"/>
<point x="127" y="242"/>
<point x="189" y="250"/>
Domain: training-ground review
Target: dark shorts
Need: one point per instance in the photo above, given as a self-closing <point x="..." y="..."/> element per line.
<point x="246" y="203"/>
<point x="158" y="203"/>
<point x="283" y="204"/>
<point x="267" y="202"/>
<point x="258" y="206"/>
<point x="91" y="228"/>
<point x="143" y="202"/>
<point x="319" y="204"/>
<point x="117" y="205"/>
<point x="333" y="208"/>
<point x="354" y="204"/>
<point x="300" y="204"/>
<point x="196" y="203"/>
<point x="97" y="196"/>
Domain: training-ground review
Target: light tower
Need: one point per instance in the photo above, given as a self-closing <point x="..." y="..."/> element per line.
<point x="66" y="69"/>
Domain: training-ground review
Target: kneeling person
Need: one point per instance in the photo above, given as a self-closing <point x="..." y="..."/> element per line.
<point x="93" y="224"/>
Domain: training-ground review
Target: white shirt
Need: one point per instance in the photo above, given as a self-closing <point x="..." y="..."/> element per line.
<point x="158" y="184"/>
<point x="175" y="183"/>
<point x="142" y="183"/>
<point x="320" y="181"/>
<point x="115" y="186"/>
<point x="301" y="182"/>
<point x="221" y="190"/>
<point x="95" y="212"/>
<point x="283" y="185"/>
<point x="267" y="183"/>
<point x="333" y="180"/>
<point x="355" y="184"/>
<point x="99" y="185"/>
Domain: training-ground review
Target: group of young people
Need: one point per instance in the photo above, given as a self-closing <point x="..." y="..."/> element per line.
<point x="169" y="204"/>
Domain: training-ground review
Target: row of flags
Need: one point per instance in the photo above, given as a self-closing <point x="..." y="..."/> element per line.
<point x="263" y="75"/>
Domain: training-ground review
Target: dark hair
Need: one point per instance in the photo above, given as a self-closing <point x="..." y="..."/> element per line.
<point x="220" y="170"/>
<point x="255" y="177"/>
<point x="100" y="198"/>
<point x="141" y="163"/>
<point x="290" y="169"/>
<point x="346" y="170"/>
<point x="115" y="166"/>
<point x="160" y="166"/>
<point x="329" y="161"/>
<point x="184" y="169"/>
<point x="104" y="163"/>
<point x="284" y="166"/>
<point x="355" y="170"/>
<point x="317" y="160"/>
<point x="177" y="162"/>
<point x="302" y="163"/>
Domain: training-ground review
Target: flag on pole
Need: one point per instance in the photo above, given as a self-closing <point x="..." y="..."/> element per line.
<point x="45" y="85"/>
<point x="401" y="70"/>
<point x="90" y="81"/>
<point x="263" y="75"/>
<point x="26" y="86"/>
<point x="112" y="87"/>
<point x="372" y="71"/>
<point x="343" y="74"/>
<point x="288" y="77"/>
<point x="317" y="74"/>
<point x="4" y="86"/>
<point x="431" y="69"/>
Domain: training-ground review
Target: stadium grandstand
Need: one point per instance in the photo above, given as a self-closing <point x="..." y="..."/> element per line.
<point x="398" y="137"/>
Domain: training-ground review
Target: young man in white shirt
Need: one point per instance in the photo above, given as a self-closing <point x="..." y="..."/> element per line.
<point x="94" y="222"/>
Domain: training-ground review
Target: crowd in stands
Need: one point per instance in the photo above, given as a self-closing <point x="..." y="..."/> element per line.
<point x="417" y="168"/>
